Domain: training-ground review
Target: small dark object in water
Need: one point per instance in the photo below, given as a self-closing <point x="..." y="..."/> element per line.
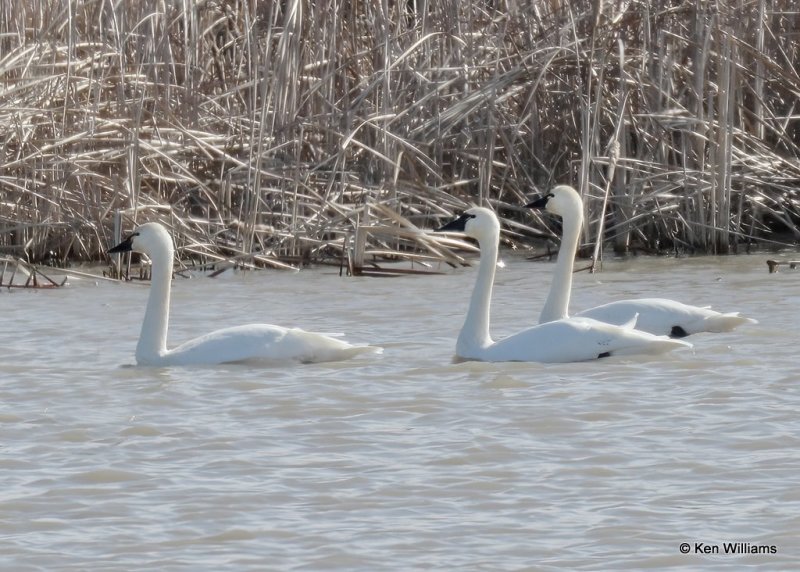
<point x="773" y="265"/>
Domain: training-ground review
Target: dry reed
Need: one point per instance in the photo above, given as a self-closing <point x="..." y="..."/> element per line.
<point x="269" y="132"/>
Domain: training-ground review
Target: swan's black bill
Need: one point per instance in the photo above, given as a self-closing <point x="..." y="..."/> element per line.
<point x="539" y="202"/>
<point x="457" y="225"/>
<point x="124" y="246"/>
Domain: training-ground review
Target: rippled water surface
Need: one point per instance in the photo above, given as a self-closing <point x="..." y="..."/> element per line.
<point x="405" y="461"/>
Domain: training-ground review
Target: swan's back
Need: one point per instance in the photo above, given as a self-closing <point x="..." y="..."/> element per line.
<point x="258" y="342"/>
<point x="576" y="339"/>
<point x="661" y="316"/>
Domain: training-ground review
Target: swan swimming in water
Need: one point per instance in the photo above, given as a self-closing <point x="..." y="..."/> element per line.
<point x="566" y="340"/>
<point x="658" y="316"/>
<point x="251" y="342"/>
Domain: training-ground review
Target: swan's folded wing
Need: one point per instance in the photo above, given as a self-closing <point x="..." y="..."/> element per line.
<point x="263" y="342"/>
<point x="662" y="316"/>
<point x="578" y="339"/>
<point x="235" y="344"/>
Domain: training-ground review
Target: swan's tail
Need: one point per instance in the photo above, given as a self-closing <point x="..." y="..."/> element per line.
<point x="312" y="347"/>
<point x="645" y="343"/>
<point x="726" y="322"/>
<point x="326" y="352"/>
<point x="356" y="350"/>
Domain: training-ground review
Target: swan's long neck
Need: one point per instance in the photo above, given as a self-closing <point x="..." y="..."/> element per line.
<point x="475" y="331"/>
<point x="557" y="305"/>
<point x="153" y="337"/>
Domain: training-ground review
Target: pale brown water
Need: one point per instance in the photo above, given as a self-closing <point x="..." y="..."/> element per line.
<point x="406" y="461"/>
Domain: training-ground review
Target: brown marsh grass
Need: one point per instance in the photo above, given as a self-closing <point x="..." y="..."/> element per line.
<point x="269" y="132"/>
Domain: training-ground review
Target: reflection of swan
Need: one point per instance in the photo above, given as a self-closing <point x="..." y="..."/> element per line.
<point x="571" y="339"/>
<point x="239" y="343"/>
<point x="656" y="315"/>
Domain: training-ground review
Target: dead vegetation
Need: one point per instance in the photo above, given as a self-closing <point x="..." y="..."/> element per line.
<point x="294" y="132"/>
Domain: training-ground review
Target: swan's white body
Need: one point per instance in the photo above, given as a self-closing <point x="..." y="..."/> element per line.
<point x="658" y="316"/>
<point x="253" y="342"/>
<point x="663" y="316"/>
<point x="566" y="340"/>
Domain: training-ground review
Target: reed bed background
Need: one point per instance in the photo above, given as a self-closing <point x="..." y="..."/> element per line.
<point x="300" y="131"/>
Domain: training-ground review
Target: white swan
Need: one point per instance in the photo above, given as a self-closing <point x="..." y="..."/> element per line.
<point x="658" y="316"/>
<point x="236" y="344"/>
<point x="567" y="340"/>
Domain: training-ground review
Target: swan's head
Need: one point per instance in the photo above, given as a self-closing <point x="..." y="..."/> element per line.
<point x="151" y="238"/>
<point x="562" y="200"/>
<point x="478" y="222"/>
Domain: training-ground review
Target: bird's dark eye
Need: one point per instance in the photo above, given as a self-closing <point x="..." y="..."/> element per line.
<point x="467" y="215"/>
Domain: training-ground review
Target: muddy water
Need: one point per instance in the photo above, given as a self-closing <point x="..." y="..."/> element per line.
<point x="406" y="461"/>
